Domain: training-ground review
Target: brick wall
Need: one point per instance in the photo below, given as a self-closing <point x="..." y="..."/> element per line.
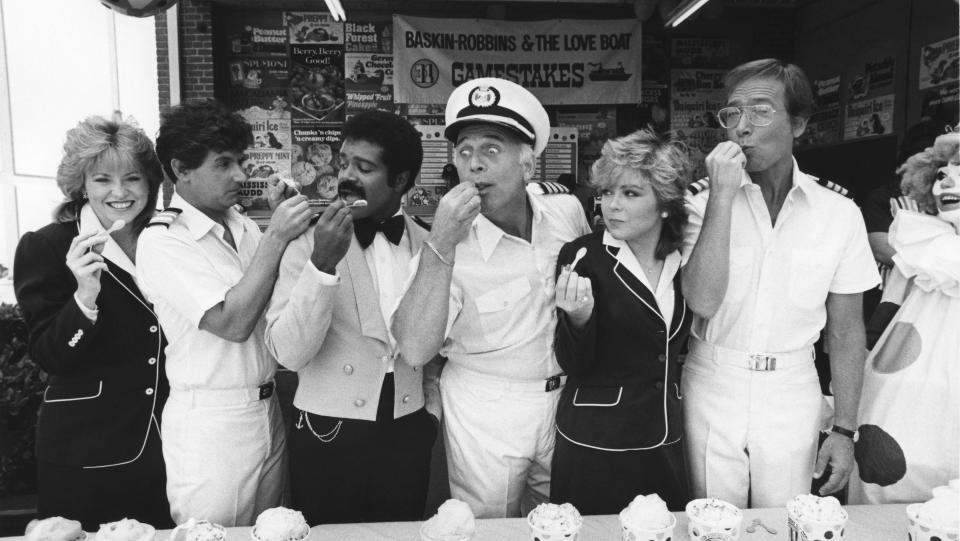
<point x="196" y="52"/>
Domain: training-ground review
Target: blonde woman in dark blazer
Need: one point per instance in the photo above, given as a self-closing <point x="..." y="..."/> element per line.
<point x="622" y="324"/>
<point x="96" y="336"/>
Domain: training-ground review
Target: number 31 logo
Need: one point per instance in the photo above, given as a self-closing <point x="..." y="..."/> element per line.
<point x="424" y="73"/>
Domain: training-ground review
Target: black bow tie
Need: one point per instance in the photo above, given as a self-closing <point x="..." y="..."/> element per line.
<point x="366" y="229"/>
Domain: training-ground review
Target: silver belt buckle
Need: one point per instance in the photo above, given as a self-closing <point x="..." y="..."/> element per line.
<point x="763" y="363"/>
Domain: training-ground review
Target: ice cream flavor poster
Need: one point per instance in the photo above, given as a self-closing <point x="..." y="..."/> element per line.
<point x="823" y="127"/>
<point x="259" y="165"/>
<point x="700" y="52"/>
<point x="369" y="37"/>
<point x="316" y="159"/>
<point x="270" y="129"/>
<point x="246" y="35"/>
<point x="942" y="103"/>
<point x="316" y="88"/>
<point x="826" y="92"/>
<point x="880" y="73"/>
<point x="868" y="118"/>
<point x="697" y="95"/>
<point x="940" y="63"/>
<point x="256" y="81"/>
<point x="312" y="27"/>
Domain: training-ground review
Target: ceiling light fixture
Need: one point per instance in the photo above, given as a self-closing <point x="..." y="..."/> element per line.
<point x="336" y="9"/>
<point x="684" y="11"/>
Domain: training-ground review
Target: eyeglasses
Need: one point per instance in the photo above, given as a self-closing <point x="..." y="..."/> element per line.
<point x="757" y="115"/>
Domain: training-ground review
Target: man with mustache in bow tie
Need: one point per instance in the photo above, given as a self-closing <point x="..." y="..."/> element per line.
<point x="361" y="443"/>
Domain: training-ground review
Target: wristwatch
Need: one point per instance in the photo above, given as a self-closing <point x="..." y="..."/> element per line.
<point x="852" y="434"/>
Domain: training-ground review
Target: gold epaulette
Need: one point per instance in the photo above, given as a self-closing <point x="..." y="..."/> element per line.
<point x="549" y="188"/>
<point x="701" y="185"/>
<point x="165" y="217"/>
<point x="832" y="186"/>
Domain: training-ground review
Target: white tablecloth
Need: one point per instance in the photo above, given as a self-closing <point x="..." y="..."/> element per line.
<point x="867" y="523"/>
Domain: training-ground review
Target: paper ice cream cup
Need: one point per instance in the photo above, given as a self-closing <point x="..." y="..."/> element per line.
<point x="536" y="534"/>
<point x="813" y="530"/>
<point x="918" y="530"/>
<point x="630" y="532"/>
<point x="700" y="530"/>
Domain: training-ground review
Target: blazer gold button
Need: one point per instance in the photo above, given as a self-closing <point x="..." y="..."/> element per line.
<point x="385" y="358"/>
<point x="149" y="392"/>
<point x="152" y="361"/>
<point x="348" y="369"/>
<point x="359" y="402"/>
<point x="153" y="328"/>
<point x="406" y="398"/>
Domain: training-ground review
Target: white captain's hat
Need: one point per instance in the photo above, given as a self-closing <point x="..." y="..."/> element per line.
<point x="501" y="102"/>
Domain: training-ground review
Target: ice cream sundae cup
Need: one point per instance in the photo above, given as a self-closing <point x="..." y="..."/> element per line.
<point x="712" y="519"/>
<point x="646" y="519"/>
<point x="815" y="518"/>
<point x="938" y="518"/>
<point x="552" y="522"/>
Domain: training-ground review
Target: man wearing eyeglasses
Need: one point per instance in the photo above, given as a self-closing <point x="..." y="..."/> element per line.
<point x="771" y="256"/>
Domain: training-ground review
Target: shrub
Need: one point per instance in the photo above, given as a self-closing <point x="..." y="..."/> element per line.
<point x="22" y="383"/>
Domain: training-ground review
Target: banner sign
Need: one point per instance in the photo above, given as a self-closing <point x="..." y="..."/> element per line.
<point x="560" y="61"/>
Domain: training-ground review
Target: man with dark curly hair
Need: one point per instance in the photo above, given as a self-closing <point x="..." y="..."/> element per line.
<point x="209" y="272"/>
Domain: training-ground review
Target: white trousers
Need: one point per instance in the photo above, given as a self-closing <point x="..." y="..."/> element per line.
<point x="499" y="438"/>
<point x="751" y="435"/>
<point x="225" y="463"/>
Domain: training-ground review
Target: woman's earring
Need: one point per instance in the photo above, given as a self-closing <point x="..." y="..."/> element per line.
<point x="83" y="194"/>
<point x="664" y="214"/>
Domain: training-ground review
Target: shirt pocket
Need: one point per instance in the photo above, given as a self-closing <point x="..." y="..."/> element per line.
<point x="496" y="307"/>
<point x="740" y="279"/>
<point x="810" y="277"/>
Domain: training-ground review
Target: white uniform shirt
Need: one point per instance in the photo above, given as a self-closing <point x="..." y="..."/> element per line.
<point x="185" y="270"/>
<point x="502" y="311"/>
<point x="780" y="275"/>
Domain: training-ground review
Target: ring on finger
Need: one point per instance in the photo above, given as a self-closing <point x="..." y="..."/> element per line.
<point x="584" y="298"/>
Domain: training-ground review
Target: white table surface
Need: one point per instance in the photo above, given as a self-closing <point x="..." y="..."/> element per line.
<point x="866" y="523"/>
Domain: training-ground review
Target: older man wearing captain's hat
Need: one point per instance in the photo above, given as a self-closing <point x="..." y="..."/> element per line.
<point x="483" y="296"/>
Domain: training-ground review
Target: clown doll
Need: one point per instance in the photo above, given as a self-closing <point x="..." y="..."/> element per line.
<point x="909" y="414"/>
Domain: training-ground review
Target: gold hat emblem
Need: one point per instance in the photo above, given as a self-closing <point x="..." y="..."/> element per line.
<point x="484" y="96"/>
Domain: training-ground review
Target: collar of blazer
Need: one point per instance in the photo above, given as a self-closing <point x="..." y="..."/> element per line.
<point x="359" y="281"/>
<point x="645" y="296"/>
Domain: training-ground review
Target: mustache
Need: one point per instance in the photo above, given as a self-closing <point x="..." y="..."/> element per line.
<point x="352" y="187"/>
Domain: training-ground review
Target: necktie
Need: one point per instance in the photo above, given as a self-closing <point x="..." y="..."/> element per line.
<point x="366" y="229"/>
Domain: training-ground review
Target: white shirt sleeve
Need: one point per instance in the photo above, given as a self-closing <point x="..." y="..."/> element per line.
<point x="303" y="298"/>
<point x="178" y="273"/>
<point x="691" y="232"/>
<point x="857" y="270"/>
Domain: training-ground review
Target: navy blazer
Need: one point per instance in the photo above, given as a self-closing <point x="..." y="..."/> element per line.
<point x="623" y="387"/>
<point x="107" y="385"/>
